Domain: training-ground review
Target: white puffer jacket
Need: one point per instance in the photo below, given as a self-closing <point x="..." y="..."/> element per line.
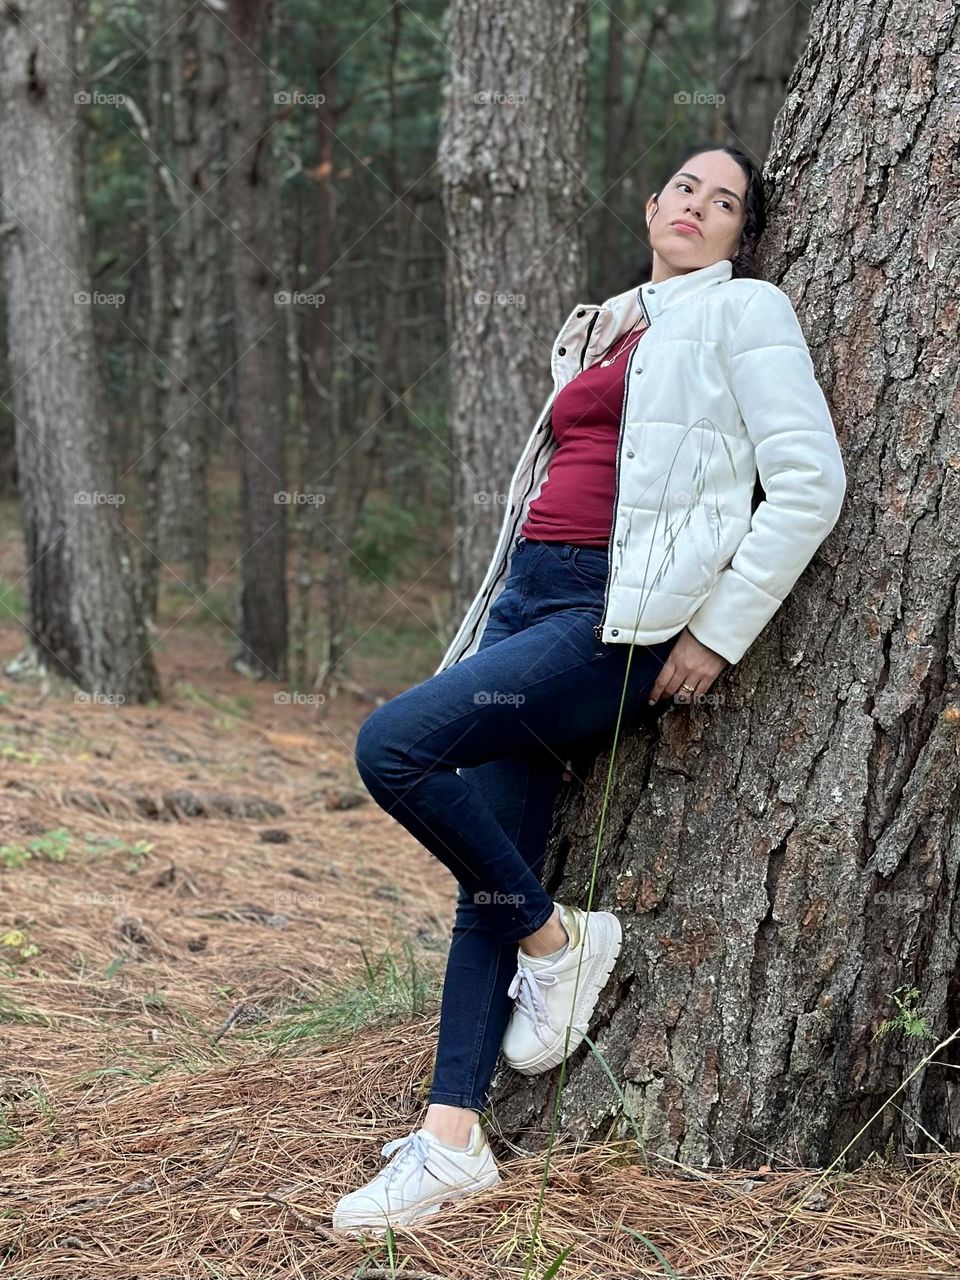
<point x="720" y="388"/>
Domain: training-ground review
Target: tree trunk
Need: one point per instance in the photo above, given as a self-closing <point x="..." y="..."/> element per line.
<point x="154" y="376"/>
<point x="8" y="448"/>
<point x="513" y="168"/>
<point x="260" y="371"/>
<point x="358" y="460"/>
<point x="625" y="160"/>
<point x="762" y="41"/>
<point x="84" y="619"/>
<point x="316" y="420"/>
<point x="785" y="858"/>
<point x="196" y="89"/>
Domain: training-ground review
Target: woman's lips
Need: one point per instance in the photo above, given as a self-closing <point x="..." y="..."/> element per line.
<point x="686" y="230"/>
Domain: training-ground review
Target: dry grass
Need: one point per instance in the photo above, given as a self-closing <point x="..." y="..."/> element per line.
<point x="204" y="1047"/>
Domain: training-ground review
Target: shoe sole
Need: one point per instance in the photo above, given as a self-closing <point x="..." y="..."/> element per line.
<point x="608" y="938"/>
<point x="347" y="1226"/>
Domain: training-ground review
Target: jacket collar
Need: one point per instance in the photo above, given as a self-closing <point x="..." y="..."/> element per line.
<point x="619" y="313"/>
<point x="657" y="297"/>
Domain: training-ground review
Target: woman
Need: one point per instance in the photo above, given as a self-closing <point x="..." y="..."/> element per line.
<point x="628" y="534"/>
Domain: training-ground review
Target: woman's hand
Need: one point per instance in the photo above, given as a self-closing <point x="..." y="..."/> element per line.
<point x="688" y="663"/>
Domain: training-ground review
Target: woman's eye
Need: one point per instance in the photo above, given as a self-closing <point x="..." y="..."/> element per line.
<point x="726" y="203"/>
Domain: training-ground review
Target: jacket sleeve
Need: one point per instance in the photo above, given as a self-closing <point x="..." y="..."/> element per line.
<point x="800" y="466"/>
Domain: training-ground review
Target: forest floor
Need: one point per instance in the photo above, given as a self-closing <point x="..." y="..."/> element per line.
<point x="219" y="973"/>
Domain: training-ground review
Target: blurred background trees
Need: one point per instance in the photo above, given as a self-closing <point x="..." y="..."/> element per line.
<point x="299" y="408"/>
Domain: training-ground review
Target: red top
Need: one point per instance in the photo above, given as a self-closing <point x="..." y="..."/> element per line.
<point x="575" y="503"/>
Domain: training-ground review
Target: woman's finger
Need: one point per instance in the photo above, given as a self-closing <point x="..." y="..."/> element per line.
<point x="661" y="684"/>
<point x="694" y="680"/>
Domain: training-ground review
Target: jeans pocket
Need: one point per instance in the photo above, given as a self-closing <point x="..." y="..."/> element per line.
<point x="592" y="564"/>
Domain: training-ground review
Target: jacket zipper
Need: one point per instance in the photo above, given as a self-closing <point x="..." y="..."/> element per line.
<point x="583" y="353"/>
<point x="598" y="626"/>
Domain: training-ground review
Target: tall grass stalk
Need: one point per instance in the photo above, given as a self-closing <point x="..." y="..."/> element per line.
<point x="697" y="481"/>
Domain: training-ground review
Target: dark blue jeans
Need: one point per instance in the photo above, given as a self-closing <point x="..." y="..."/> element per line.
<point x="471" y="762"/>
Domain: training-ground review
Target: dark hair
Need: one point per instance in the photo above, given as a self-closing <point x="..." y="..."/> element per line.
<point x="754" y="201"/>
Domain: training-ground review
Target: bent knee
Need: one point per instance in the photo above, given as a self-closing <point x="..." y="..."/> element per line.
<point x="370" y="749"/>
<point x="378" y="749"/>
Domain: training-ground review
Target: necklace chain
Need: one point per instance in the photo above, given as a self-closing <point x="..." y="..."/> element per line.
<point x="605" y="363"/>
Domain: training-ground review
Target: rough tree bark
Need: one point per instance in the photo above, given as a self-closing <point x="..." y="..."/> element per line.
<point x="512" y="164"/>
<point x="84" y="619"/>
<point x="785" y="857"/>
<point x="260" y="369"/>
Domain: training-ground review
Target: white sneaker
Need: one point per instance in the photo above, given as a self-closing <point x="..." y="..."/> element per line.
<point x="423" y="1174"/>
<point x="544" y="991"/>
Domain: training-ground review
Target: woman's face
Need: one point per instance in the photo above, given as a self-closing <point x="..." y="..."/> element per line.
<point x="708" y="194"/>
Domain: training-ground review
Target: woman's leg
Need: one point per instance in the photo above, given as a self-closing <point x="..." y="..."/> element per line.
<point x="521" y="792"/>
<point x="434" y="759"/>
<point x="537" y="690"/>
<point x="475" y="1007"/>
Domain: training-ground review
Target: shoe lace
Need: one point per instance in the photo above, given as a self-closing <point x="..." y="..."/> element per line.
<point x="414" y="1150"/>
<point x="525" y="990"/>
